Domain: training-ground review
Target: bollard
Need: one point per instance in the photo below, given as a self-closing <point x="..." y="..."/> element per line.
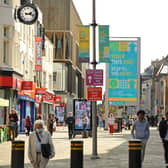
<point x="134" y="153"/>
<point x="76" y="154"/>
<point x="17" y="156"/>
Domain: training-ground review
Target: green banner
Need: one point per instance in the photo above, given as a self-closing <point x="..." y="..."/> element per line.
<point x="104" y="44"/>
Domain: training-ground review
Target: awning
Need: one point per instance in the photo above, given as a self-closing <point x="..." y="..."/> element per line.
<point x="4" y="102"/>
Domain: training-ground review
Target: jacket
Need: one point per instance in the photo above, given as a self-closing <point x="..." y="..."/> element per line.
<point x="163" y="128"/>
<point x="140" y="130"/>
<point x="46" y="138"/>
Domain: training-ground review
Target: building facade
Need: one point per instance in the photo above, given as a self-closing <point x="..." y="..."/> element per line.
<point x="62" y="22"/>
<point x="18" y="60"/>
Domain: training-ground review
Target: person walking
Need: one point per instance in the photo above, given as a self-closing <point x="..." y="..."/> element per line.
<point x="140" y="130"/>
<point x="50" y="123"/>
<point x="71" y="124"/>
<point x="111" y="122"/>
<point x="163" y="131"/>
<point x="28" y="125"/>
<point x="36" y="138"/>
<point x="85" y="122"/>
<point x="13" y="118"/>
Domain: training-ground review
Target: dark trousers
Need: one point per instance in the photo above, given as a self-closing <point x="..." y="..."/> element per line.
<point x="28" y="130"/>
<point x="70" y="131"/>
<point x="165" y="145"/>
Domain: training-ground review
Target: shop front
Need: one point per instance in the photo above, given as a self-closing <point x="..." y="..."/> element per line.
<point x="26" y="104"/>
<point x="47" y="106"/>
<point x="4" y="104"/>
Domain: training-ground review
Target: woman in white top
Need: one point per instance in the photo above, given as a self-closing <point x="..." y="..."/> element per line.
<point x="111" y="122"/>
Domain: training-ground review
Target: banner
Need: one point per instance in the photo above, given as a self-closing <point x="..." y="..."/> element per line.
<point x="38" y="54"/>
<point x="123" y="73"/>
<point x="104" y="44"/>
<point x="84" y="44"/>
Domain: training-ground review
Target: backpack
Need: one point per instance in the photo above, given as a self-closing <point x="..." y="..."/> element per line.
<point x="163" y="129"/>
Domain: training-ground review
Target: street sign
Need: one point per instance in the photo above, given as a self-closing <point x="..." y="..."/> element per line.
<point x="94" y="93"/>
<point x="94" y="77"/>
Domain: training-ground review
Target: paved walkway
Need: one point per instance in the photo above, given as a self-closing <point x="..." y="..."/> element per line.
<point x="112" y="149"/>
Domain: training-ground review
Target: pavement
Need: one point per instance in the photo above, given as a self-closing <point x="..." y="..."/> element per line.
<point x="112" y="150"/>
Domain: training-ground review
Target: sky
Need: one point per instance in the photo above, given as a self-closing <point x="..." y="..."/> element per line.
<point x="147" y="19"/>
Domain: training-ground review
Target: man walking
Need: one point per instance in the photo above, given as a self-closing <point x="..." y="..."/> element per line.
<point x="71" y="122"/>
<point x="163" y="130"/>
<point x="140" y="130"/>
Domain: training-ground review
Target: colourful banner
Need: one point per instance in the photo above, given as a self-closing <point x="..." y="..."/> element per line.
<point x="123" y="78"/>
<point x="84" y="44"/>
<point x="104" y="44"/>
<point x="38" y="49"/>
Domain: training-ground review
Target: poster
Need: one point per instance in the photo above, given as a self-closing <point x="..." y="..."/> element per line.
<point x="60" y="113"/>
<point x="82" y="110"/>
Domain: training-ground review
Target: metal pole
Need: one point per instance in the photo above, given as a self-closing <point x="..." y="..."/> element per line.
<point x="138" y="70"/>
<point x="106" y="98"/>
<point x="94" y="103"/>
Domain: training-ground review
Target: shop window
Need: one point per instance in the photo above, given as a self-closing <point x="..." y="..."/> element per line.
<point x="2" y="115"/>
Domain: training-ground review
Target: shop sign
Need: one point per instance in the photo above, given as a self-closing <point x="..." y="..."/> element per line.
<point x="94" y="93"/>
<point x="40" y="91"/>
<point x="4" y="102"/>
<point x="57" y="99"/>
<point x="48" y="97"/>
<point x="18" y="84"/>
<point x="27" y="85"/>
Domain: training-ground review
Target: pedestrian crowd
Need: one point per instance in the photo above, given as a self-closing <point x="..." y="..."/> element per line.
<point x="41" y="147"/>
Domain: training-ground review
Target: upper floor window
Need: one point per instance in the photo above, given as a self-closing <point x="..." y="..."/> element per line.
<point x="6" y="32"/>
<point x="6" y="2"/>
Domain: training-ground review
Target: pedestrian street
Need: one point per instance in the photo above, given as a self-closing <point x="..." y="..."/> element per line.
<point x="112" y="150"/>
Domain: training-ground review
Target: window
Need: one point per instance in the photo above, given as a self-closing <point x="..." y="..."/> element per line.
<point x="44" y="79"/>
<point x="54" y="76"/>
<point x="5" y="51"/>
<point x="68" y="48"/>
<point x="60" y="76"/>
<point x="59" y="45"/>
<point x="6" y="32"/>
<point x="6" y="2"/>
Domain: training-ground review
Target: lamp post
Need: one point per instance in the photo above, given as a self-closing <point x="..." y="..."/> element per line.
<point x="94" y="103"/>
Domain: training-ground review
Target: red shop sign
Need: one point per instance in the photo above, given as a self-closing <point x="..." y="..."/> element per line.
<point x="57" y="99"/>
<point x="27" y="85"/>
<point x="40" y="91"/>
<point x="48" y="97"/>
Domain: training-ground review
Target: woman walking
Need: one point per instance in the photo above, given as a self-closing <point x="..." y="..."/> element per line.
<point x="36" y="139"/>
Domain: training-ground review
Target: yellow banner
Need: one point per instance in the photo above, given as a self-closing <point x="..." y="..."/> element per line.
<point x="84" y="43"/>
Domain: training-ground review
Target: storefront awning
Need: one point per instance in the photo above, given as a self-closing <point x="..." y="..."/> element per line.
<point x="4" y="102"/>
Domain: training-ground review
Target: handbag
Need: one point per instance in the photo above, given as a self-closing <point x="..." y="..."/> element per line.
<point x="45" y="148"/>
